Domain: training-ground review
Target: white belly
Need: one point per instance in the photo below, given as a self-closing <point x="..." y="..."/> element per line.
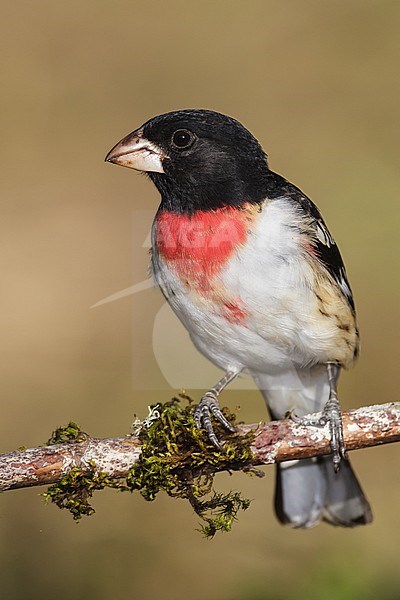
<point x="272" y="280"/>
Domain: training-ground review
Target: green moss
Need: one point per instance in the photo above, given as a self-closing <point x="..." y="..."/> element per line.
<point x="74" y="490"/>
<point x="176" y="458"/>
<point x="71" y="433"/>
<point x="179" y="459"/>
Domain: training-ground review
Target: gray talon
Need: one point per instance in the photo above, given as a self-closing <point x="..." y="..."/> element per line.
<point x="306" y="421"/>
<point x="208" y="406"/>
<point x="332" y="415"/>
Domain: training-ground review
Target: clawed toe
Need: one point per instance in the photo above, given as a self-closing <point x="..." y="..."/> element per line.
<point x="331" y="415"/>
<point x="306" y="421"/>
<point x="208" y="406"/>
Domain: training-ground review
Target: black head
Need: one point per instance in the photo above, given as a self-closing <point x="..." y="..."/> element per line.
<point x="198" y="160"/>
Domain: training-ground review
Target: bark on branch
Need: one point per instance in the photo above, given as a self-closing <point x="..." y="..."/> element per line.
<point x="274" y="442"/>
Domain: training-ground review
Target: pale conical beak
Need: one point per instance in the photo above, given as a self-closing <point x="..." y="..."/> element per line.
<point x="135" y="152"/>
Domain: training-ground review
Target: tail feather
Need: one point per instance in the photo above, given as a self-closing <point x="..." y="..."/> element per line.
<point x="300" y="493"/>
<point x="309" y="491"/>
<point x="345" y="502"/>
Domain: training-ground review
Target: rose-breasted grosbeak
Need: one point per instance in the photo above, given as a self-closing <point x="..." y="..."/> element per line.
<point x="248" y="265"/>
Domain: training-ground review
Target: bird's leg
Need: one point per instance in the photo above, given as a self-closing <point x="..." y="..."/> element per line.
<point x="331" y="414"/>
<point x="208" y="406"/>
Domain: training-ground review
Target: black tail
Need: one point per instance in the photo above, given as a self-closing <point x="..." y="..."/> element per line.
<point x="308" y="491"/>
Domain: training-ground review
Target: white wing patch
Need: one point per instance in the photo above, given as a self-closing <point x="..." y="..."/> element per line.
<point x="324" y="235"/>
<point x="344" y="286"/>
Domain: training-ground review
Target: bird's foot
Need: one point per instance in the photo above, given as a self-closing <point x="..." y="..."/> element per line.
<point x="208" y="406"/>
<point x="333" y="416"/>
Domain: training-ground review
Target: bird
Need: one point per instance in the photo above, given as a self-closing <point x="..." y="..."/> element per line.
<point x="246" y="262"/>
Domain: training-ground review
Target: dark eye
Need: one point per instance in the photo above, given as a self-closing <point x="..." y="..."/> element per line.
<point x="183" y="138"/>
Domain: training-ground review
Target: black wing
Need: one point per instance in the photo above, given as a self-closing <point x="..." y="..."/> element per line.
<point x="324" y="246"/>
<point x="328" y="254"/>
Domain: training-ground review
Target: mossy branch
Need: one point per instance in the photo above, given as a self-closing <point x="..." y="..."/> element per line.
<point x="170" y="454"/>
<point x="276" y="441"/>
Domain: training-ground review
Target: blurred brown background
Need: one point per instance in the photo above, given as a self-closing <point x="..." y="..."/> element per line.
<point x="318" y="83"/>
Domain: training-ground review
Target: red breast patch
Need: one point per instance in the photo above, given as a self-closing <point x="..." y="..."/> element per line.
<point x="197" y="246"/>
